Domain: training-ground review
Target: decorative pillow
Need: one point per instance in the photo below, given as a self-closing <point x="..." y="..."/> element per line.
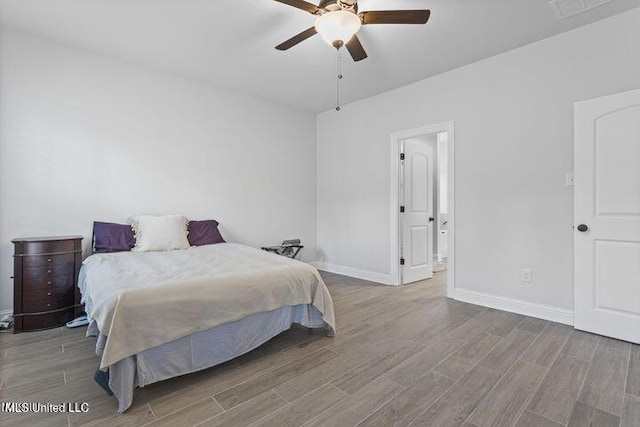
<point x="110" y="237"/>
<point x="159" y="233"/>
<point x="204" y="233"/>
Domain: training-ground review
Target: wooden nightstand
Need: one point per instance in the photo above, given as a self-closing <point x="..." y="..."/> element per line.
<point x="45" y="282"/>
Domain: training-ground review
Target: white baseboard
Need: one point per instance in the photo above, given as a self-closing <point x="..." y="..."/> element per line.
<point x="385" y="279"/>
<point x="541" y="311"/>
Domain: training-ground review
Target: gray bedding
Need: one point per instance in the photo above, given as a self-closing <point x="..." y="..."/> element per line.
<point x="193" y="290"/>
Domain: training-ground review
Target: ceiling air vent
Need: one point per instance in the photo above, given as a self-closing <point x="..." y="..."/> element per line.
<point x="566" y="8"/>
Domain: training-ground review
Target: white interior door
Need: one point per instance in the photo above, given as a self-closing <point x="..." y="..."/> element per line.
<point x="607" y="216"/>
<point x="417" y="219"/>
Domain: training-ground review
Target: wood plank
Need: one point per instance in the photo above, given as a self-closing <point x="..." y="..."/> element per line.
<point x="455" y="317"/>
<point x="320" y="375"/>
<point x="505" y="402"/>
<point x="248" y="412"/>
<point x="453" y="408"/>
<point x="304" y="409"/>
<point x="56" y="361"/>
<point x="585" y="415"/>
<point x="134" y="417"/>
<point x="364" y="374"/>
<point x="531" y="419"/>
<point x="633" y="372"/>
<point x="356" y="407"/>
<point x="169" y="396"/>
<point x="190" y="415"/>
<point x="490" y="321"/>
<point x="413" y="368"/>
<point x="581" y="345"/>
<point x="23" y="385"/>
<point x="508" y="351"/>
<point x="463" y="360"/>
<point x="603" y="387"/>
<point x="533" y="325"/>
<point x="263" y="382"/>
<point x="612" y="345"/>
<point x="559" y="389"/>
<point x="631" y="411"/>
<point x="34" y="420"/>
<point x="544" y="349"/>
<point x="407" y="405"/>
<point x="34" y="350"/>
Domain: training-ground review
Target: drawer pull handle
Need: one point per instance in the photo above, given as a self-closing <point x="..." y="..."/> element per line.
<point x="48" y="271"/>
<point x="48" y="305"/>
<point x="49" y="294"/>
<point x="49" y="260"/>
<point x="49" y="282"/>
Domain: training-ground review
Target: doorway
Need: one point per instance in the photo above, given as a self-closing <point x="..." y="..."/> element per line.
<point x="422" y="205"/>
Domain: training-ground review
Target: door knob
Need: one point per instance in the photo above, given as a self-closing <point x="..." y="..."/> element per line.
<point x="582" y="228"/>
<point x="430" y="219"/>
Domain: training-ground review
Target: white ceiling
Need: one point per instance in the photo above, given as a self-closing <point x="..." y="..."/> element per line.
<point x="231" y="42"/>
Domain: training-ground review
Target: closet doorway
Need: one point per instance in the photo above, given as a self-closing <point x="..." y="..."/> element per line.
<point x="422" y="204"/>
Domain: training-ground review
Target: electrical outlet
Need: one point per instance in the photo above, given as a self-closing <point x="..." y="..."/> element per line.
<point x="526" y="275"/>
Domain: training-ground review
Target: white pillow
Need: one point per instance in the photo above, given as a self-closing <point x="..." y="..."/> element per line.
<point x="160" y="233"/>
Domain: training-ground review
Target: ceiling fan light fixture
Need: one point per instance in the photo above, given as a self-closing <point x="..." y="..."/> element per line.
<point x="337" y="28"/>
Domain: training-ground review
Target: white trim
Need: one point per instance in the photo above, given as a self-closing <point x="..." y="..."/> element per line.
<point x="546" y="312"/>
<point x="394" y="235"/>
<point x="385" y="279"/>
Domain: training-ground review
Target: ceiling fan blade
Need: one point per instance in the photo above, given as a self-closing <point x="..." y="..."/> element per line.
<point x="395" y="17"/>
<point x="355" y="49"/>
<point x="301" y="4"/>
<point x="297" y="39"/>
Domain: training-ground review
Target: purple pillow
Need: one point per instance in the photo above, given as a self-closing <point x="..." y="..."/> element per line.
<point x="204" y="233"/>
<point x="110" y="237"/>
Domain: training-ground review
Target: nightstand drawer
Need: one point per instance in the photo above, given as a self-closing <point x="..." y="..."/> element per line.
<point x="47" y="272"/>
<point x="48" y="260"/>
<point x="45" y="301"/>
<point x="49" y="247"/>
<point x="45" y="321"/>
<point x="67" y="281"/>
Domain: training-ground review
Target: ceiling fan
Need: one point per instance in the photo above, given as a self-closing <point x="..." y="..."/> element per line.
<point x="338" y="21"/>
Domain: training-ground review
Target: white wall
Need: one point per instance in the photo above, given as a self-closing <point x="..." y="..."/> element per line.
<point x="513" y="116"/>
<point x="84" y="137"/>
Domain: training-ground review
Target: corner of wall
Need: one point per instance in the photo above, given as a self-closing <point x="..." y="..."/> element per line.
<point x="384" y="279"/>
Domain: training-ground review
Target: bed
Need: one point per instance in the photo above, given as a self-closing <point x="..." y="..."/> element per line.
<point x="157" y="315"/>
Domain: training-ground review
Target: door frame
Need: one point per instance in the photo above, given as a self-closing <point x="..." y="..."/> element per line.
<point x="394" y="196"/>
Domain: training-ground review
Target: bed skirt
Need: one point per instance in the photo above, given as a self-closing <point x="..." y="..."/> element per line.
<point x="200" y="350"/>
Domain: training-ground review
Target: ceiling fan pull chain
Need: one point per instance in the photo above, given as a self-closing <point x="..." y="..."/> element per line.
<point x="339" y="77"/>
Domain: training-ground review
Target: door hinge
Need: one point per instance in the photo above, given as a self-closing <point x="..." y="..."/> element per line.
<point x="401" y="156"/>
<point x="401" y="209"/>
<point x="401" y="261"/>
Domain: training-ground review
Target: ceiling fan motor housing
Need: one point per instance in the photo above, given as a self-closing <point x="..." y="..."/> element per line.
<point x="333" y="5"/>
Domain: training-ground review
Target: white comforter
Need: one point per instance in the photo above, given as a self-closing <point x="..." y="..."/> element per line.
<point x="143" y="300"/>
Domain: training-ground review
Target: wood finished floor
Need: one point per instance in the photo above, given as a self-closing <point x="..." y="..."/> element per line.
<point x="402" y="356"/>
